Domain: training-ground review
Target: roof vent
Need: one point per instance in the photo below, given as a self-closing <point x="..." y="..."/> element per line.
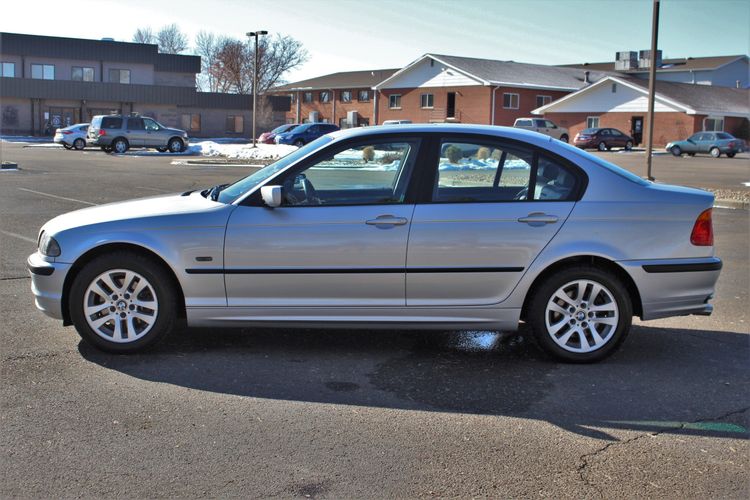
<point x="586" y="77"/>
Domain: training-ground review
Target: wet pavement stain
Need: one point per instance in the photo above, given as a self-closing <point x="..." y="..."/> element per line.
<point x="342" y="386"/>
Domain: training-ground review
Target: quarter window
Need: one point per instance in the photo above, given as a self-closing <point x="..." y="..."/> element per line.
<point x="43" y="71"/>
<point x="191" y="122"/>
<point x="511" y="101"/>
<point x="394" y="101"/>
<point x="366" y="174"/>
<point x="427" y="100"/>
<point x="119" y="75"/>
<point x="592" y="122"/>
<point x="8" y="69"/>
<point x="82" y="74"/>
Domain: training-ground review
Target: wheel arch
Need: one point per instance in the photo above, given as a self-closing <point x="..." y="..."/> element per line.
<point x="593" y="260"/>
<point x="95" y="252"/>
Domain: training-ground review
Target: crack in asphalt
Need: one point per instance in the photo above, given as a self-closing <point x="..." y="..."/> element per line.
<point x="588" y="458"/>
<point x="36" y="355"/>
<point x="15" y="278"/>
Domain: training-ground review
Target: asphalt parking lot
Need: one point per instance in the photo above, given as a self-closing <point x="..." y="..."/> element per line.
<point x="311" y="413"/>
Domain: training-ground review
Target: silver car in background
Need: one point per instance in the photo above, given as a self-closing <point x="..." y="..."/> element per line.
<point x="73" y="137"/>
<point x="118" y="133"/>
<point x="543" y="126"/>
<point x="410" y="226"/>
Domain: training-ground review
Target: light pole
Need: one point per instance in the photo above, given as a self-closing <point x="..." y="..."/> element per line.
<point x="652" y="88"/>
<point x="255" y="77"/>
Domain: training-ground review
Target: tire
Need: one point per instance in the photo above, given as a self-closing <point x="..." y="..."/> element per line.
<point x="161" y="150"/>
<point x="67" y="146"/>
<point x="140" y="326"/>
<point x="106" y="149"/>
<point x="730" y="155"/>
<point x="564" y="138"/>
<point x="567" y="343"/>
<point x="120" y="146"/>
<point x="79" y="144"/>
<point x="175" y="145"/>
<point x="691" y="154"/>
<point x="628" y="145"/>
<point x="715" y="152"/>
<point x="676" y="151"/>
<point x="602" y="146"/>
<point x="299" y="143"/>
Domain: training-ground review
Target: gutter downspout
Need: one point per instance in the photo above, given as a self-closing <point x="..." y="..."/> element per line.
<point x="375" y="105"/>
<point x="298" y="107"/>
<point x="492" y="121"/>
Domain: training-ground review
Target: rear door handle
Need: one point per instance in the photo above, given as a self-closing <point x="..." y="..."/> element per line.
<point x="387" y="220"/>
<point x="538" y="219"/>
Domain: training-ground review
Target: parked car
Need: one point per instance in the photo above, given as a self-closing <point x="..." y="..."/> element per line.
<point x="602" y="139"/>
<point x="305" y="133"/>
<point x="542" y="126"/>
<point x="373" y="227"/>
<point x="73" y="137"/>
<point x="713" y="143"/>
<point x="270" y="137"/>
<point x="118" y="133"/>
<point x="396" y="122"/>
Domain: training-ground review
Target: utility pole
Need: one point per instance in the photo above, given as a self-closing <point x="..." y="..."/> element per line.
<point x="652" y="88"/>
<point x="255" y="78"/>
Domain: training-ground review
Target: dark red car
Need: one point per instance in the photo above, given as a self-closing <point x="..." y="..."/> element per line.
<point x="269" y="137"/>
<point x="602" y="139"/>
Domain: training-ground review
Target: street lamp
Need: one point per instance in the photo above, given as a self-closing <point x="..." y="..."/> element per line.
<point x="255" y="77"/>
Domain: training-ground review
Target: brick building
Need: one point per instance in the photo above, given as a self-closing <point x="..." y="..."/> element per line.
<point x="345" y="99"/>
<point x="680" y="109"/>
<point x="50" y="82"/>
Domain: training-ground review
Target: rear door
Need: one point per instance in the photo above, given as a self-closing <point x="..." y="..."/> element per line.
<point x="483" y="220"/>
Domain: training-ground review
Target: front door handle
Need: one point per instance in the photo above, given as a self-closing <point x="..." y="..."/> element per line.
<point x="387" y="220"/>
<point x="538" y="219"/>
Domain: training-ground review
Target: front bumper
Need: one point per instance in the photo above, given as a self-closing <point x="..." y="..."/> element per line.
<point x="674" y="287"/>
<point x="47" y="280"/>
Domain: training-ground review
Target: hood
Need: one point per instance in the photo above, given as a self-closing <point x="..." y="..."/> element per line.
<point x="142" y="208"/>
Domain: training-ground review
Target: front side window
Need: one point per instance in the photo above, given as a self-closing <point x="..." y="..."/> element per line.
<point x="325" y="96"/>
<point x="543" y="100"/>
<point x="43" y="71"/>
<point x="119" y="75"/>
<point x="394" y="101"/>
<point x="592" y="122"/>
<point x="346" y="96"/>
<point x="8" y="69"/>
<point x="427" y="100"/>
<point x="549" y="124"/>
<point x="363" y="174"/>
<point x="151" y="124"/>
<point x="471" y="172"/>
<point x="511" y="101"/>
<point x="82" y="74"/>
<point x="191" y="122"/>
<point x="363" y="96"/>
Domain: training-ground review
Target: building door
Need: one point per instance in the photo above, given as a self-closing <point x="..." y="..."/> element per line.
<point x="450" y="108"/>
<point x="636" y="129"/>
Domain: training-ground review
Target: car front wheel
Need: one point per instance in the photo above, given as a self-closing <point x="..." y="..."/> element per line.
<point x="564" y="138"/>
<point x="676" y="151"/>
<point x="602" y="146"/>
<point x="299" y="143"/>
<point x="175" y="145"/>
<point x="628" y="145"/>
<point x="715" y="152"/>
<point x="581" y="314"/>
<point x="123" y="302"/>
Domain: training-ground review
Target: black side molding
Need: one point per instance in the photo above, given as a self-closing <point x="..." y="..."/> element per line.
<point x="40" y="270"/>
<point x="367" y="270"/>
<point x="683" y="268"/>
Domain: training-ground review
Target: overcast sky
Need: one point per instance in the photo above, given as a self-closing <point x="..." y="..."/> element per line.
<point x="347" y="35"/>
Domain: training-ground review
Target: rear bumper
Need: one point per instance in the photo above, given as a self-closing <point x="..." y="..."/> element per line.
<point x="674" y="287"/>
<point x="47" y="279"/>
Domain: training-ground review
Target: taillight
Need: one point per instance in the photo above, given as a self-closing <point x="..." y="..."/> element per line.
<point x="731" y="144"/>
<point x="102" y="132"/>
<point x="67" y="132"/>
<point x="703" y="230"/>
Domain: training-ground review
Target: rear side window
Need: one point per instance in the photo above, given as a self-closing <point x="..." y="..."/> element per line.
<point x="111" y="122"/>
<point x="469" y="172"/>
<point x="135" y="123"/>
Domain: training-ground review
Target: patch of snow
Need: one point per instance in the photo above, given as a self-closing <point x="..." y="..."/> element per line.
<point x="239" y="151"/>
<point x="24" y="138"/>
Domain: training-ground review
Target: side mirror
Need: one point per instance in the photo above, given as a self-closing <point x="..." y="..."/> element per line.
<point x="271" y="196"/>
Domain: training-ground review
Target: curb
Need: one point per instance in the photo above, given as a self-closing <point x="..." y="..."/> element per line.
<point x="732" y="204"/>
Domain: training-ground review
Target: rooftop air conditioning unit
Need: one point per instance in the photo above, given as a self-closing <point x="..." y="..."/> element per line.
<point x="626" y="60"/>
<point x="645" y="59"/>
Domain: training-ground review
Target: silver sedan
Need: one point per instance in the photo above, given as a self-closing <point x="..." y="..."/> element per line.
<point x="73" y="137"/>
<point x="409" y="226"/>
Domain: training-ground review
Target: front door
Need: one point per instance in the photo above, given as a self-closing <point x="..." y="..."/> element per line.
<point x="636" y="129"/>
<point x="450" y="109"/>
<point x="482" y="227"/>
<point x="338" y="239"/>
<point x="135" y="132"/>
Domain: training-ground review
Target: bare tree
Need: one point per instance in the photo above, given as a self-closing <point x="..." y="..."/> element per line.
<point x="144" y="35"/>
<point x="171" y="40"/>
<point x="208" y="46"/>
<point x="277" y="55"/>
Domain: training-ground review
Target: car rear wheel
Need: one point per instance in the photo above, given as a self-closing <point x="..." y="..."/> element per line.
<point x="120" y="146"/>
<point x="715" y="152"/>
<point x="161" y="150"/>
<point x="564" y="138"/>
<point x="299" y="143"/>
<point x="676" y="151"/>
<point x="628" y="145"/>
<point x="602" y="146"/>
<point x="730" y="155"/>
<point x="123" y="302"/>
<point x="581" y="314"/>
<point x="79" y="144"/>
<point x="175" y="145"/>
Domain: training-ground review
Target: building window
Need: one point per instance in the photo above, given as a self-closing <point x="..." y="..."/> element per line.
<point x="307" y="97"/>
<point x="191" y="122"/>
<point x="592" y="122"/>
<point x="325" y="96"/>
<point x="510" y="101"/>
<point x="614" y="88"/>
<point x="235" y="124"/>
<point x="363" y="96"/>
<point x="43" y="71"/>
<point x="394" y="101"/>
<point x="363" y="122"/>
<point x="713" y="124"/>
<point x="82" y="74"/>
<point x="119" y="75"/>
<point x="543" y="100"/>
<point x="293" y="97"/>
<point x="8" y="69"/>
<point x="427" y="100"/>
<point x="346" y="96"/>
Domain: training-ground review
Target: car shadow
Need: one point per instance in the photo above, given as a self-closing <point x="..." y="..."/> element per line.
<point x="662" y="380"/>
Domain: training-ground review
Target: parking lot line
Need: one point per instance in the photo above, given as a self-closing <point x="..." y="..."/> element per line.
<point x="20" y="237"/>
<point x="58" y="197"/>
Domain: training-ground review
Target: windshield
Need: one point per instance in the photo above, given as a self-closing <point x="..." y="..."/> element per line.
<point x="604" y="163"/>
<point x="282" y="128"/>
<point x="230" y="193"/>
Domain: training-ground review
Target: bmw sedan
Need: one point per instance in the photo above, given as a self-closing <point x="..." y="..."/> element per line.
<point x="713" y="143"/>
<point x="408" y="226"/>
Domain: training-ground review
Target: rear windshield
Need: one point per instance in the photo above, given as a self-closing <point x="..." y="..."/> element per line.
<point x="604" y="163"/>
<point x="523" y="123"/>
<point x="111" y="122"/>
<point x="722" y="135"/>
<point x="589" y="131"/>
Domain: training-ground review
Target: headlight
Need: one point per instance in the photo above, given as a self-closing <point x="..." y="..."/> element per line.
<point x="48" y="246"/>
